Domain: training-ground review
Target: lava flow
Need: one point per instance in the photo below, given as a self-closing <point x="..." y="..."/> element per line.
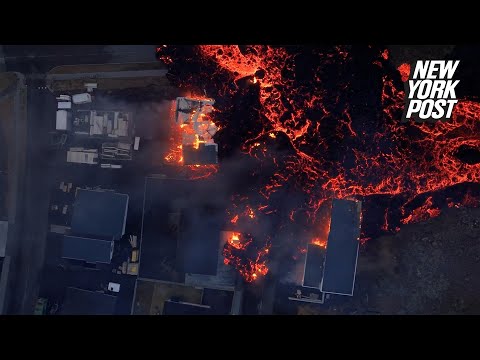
<point x="241" y="252"/>
<point x="318" y="123"/>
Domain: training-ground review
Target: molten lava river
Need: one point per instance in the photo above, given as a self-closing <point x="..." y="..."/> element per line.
<point x="301" y="125"/>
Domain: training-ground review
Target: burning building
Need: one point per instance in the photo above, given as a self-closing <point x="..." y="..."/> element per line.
<point x="192" y="116"/>
<point x="181" y="230"/>
<point x="330" y="266"/>
<point x="313" y="268"/>
<point x="182" y="243"/>
<point x="341" y="257"/>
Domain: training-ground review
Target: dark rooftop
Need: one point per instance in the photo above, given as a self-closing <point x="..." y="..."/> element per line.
<point x="199" y="241"/>
<point x="56" y="280"/>
<point x="123" y="305"/>
<point x="220" y="301"/>
<point x="160" y="229"/>
<point x="86" y="249"/>
<point x="176" y="238"/>
<point x="312" y="276"/>
<point x="183" y="308"/>
<point x="224" y="278"/>
<point x="342" y="248"/>
<point x="100" y="214"/>
<point x="84" y="302"/>
<point x="205" y="154"/>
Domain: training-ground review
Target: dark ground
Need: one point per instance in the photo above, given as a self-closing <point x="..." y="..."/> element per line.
<point x="426" y="268"/>
<point x="45" y="57"/>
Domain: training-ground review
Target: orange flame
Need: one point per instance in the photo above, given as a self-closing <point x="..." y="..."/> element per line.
<point x="234" y="251"/>
<point x="319" y="242"/>
<point x="174" y="154"/>
<point x="234" y="240"/>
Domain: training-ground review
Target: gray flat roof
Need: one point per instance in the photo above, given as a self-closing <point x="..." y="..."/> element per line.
<point x="220" y="301"/>
<point x="204" y="155"/>
<point x="90" y="250"/>
<point x="313" y="271"/>
<point x="342" y="248"/>
<point x="100" y="214"/>
<point x="199" y="241"/>
<point x="176" y="238"/>
<point x="225" y="277"/>
<point x="158" y="254"/>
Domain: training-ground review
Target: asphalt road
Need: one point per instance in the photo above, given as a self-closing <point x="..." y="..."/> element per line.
<point x="43" y="58"/>
<point x="28" y="260"/>
<point x="34" y="61"/>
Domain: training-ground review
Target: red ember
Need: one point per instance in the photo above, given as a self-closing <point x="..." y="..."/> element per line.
<point x="404" y="70"/>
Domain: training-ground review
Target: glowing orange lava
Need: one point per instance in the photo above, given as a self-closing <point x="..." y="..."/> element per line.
<point x="326" y="148"/>
<point x="404" y="70"/>
<point x="251" y="269"/>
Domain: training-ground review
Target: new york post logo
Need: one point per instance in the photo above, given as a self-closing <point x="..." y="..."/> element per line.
<point x="430" y="91"/>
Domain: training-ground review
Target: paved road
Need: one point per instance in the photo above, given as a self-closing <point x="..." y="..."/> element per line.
<point x="109" y="74"/>
<point x="43" y="58"/>
<point x="32" y="220"/>
<point x="34" y="215"/>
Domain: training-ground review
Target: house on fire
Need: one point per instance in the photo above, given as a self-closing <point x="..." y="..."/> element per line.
<point x="198" y="146"/>
<point x="340" y="265"/>
<point x="332" y="269"/>
<point x="181" y="264"/>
